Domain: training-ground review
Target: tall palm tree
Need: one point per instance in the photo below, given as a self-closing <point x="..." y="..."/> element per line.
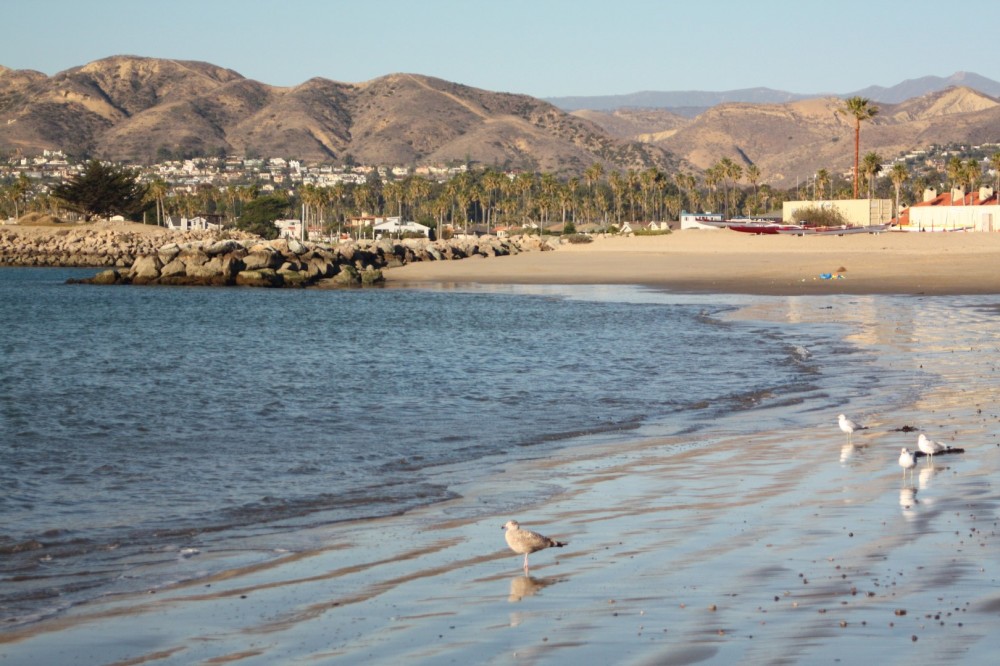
<point x="860" y="109"/>
<point x="899" y="174"/>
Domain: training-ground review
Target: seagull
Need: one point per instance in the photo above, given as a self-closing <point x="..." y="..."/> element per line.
<point x="906" y="461"/>
<point x="526" y="541"/>
<point x="929" y="446"/>
<point x="849" y="426"/>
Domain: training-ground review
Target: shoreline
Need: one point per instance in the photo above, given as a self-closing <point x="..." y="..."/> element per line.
<point x="733" y="262"/>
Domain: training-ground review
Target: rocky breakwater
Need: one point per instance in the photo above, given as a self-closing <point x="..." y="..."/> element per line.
<point x="103" y="243"/>
<point x="291" y="263"/>
<point x="73" y="247"/>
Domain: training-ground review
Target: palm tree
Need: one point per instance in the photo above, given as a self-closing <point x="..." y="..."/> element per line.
<point x="955" y="170"/>
<point x="753" y="177"/>
<point x="871" y="166"/>
<point x="822" y="180"/>
<point x="417" y="191"/>
<point x="973" y="174"/>
<point x="730" y="171"/>
<point x="19" y="191"/>
<point x="899" y="175"/>
<point x="712" y="178"/>
<point x="155" y="191"/>
<point x="618" y="185"/>
<point x="593" y="175"/>
<point x="686" y="183"/>
<point x="995" y="165"/>
<point x="860" y="109"/>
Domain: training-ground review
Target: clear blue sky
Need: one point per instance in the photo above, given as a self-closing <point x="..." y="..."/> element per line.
<point x="544" y="48"/>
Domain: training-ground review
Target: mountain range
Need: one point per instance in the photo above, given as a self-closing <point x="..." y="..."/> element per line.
<point x="140" y="110"/>
<point x="693" y="102"/>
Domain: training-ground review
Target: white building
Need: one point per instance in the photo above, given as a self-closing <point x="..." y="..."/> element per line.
<point x="189" y="223"/>
<point x="699" y="220"/>
<point x="393" y="225"/>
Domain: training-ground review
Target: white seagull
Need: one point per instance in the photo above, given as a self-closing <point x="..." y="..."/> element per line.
<point x="849" y="426"/>
<point x="929" y="446"/>
<point x="906" y="461"/>
<point x="523" y="541"/>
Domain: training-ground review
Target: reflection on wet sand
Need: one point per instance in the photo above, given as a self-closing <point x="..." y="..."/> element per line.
<point x="925" y="476"/>
<point x="528" y="586"/>
<point x="908" y="502"/>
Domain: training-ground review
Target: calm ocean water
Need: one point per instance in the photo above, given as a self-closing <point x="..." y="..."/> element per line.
<point x="141" y="428"/>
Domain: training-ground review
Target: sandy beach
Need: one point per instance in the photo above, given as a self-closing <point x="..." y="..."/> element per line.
<point x="733" y="262"/>
<point x="748" y="544"/>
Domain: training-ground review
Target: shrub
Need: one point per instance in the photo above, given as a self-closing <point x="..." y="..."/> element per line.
<point x="578" y="238"/>
<point x="819" y="217"/>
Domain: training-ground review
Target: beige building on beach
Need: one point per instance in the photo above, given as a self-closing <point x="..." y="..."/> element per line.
<point x="953" y="211"/>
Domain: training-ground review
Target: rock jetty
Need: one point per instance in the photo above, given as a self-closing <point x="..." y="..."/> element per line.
<point x="143" y="255"/>
<point x="87" y="247"/>
<point x="291" y="263"/>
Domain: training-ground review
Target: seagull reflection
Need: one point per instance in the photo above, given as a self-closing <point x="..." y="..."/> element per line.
<point x="907" y="501"/>
<point x="847" y="452"/>
<point x="527" y="586"/>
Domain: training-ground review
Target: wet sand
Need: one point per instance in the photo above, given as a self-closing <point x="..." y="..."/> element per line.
<point x="733" y="545"/>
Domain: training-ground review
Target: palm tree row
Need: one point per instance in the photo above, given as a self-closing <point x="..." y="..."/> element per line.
<point x="488" y="199"/>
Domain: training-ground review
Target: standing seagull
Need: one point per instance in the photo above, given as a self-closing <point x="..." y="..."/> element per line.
<point x="929" y="446"/>
<point x="906" y="461"/>
<point x="849" y="426"/>
<point x="526" y="541"/>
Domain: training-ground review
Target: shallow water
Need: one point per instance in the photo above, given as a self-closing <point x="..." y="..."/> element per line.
<point x="142" y="427"/>
<point x="737" y="530"/>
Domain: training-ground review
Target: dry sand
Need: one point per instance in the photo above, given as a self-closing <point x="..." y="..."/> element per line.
<point x="734" y="262"/>
<point x="744" y="545"/>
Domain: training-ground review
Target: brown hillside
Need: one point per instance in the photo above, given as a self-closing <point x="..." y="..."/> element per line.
<point x="136" y="109"/>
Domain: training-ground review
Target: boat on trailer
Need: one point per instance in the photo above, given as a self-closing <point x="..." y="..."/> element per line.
<point x="803" y="230"/>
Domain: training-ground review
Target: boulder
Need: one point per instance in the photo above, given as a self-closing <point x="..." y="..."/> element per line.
<point x="146" y="268"/>
<point x="222" y="247"/>
<point x="259" y="258"/>
<point x="173" y="269"/>
<point x="110" y="276"/>
<point x="264" y="277"/>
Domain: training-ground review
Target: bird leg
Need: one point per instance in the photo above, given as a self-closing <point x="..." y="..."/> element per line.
<point x="525" y="563"/>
